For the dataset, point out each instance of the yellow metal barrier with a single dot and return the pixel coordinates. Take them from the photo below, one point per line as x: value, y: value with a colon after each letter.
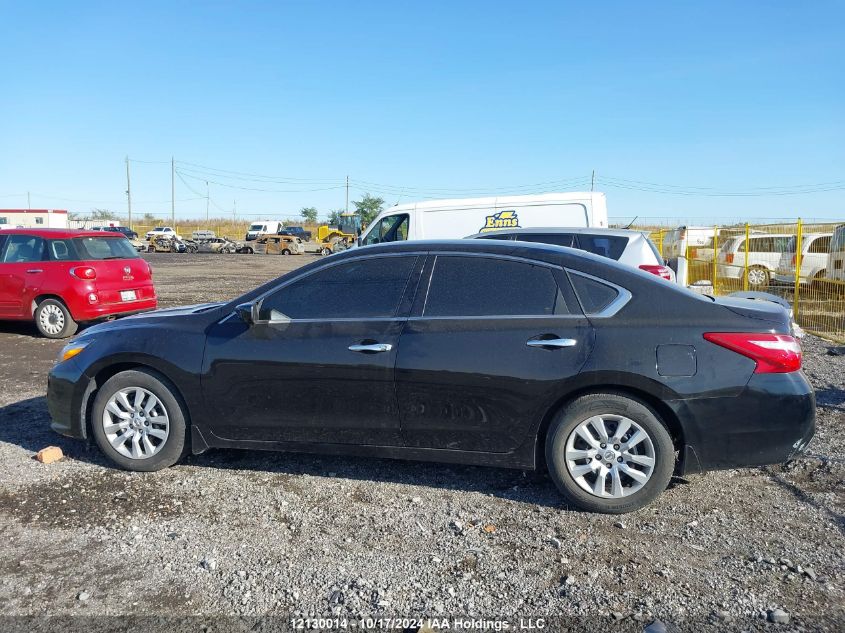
x: 792, y: 260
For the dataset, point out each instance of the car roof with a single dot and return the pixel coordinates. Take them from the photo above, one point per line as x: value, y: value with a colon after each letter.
x: 556, y: 230
x: 60, y: 233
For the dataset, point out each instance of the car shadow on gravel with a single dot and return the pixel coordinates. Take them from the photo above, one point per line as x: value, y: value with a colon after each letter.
x: 801, y: 495
x: 26, y: 423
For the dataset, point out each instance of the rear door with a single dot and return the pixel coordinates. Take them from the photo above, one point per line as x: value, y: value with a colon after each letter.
x: 22, y: 273
x: 489, y: 348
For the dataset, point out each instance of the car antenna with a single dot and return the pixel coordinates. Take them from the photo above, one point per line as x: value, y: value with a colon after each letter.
x: 632, y: 221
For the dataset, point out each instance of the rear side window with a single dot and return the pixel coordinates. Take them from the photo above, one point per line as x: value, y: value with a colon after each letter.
x: 594, y: 295
x: 820, y: 245
x: 362, y: 288
x: 22, y: 249
x: 479, y: 286
x: 61, y: 250
x: 104, y: 248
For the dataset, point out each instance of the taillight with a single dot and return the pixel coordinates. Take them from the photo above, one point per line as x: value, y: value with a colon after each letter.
x: 83, y: 272
x: 657, y: 269
x: 773, y: 353
x: 794, y: 259
x: 729, y: 258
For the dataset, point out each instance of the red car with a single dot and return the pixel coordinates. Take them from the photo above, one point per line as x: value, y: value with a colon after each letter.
x: 63, y: 277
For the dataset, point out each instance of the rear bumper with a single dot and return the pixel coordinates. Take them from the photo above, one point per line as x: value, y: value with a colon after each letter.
x: 770, y: 422
x: 102, y: 311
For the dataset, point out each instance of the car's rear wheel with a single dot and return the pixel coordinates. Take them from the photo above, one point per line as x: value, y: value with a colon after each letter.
x: 138, y: 422
x: 286, y: 251
x: 325, y: 251
x: 609, y: 453
x: 53, y: 319
x: 758, y: 277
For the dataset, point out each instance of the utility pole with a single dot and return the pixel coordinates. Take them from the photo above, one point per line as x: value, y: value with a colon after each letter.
x: 593, y: 181
x: 28, y: 205
x: 206, y: 201
x: 173, y: 191
x: 234, y: 210
x: 128, y: 194
x: 347, y: 193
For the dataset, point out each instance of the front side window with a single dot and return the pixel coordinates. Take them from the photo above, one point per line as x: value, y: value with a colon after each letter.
x: 104, y: 248
x: 361, y: 288
x: 463, y: 286
x: 393, y: 228
x: 39, y: 220
x: 23, y: 248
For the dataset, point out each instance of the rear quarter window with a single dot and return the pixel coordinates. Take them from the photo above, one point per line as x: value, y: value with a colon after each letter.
x: 594, y: 295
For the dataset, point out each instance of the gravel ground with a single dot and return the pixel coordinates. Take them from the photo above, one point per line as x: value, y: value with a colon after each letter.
x: 233, y: 533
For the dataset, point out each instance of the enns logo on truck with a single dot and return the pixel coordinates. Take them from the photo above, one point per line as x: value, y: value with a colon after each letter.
x: 501, y: 220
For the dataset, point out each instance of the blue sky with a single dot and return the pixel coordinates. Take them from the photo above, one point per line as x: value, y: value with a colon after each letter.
x: 416, y: 100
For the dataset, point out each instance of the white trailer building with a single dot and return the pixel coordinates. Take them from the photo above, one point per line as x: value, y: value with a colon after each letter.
x: 33, y: 218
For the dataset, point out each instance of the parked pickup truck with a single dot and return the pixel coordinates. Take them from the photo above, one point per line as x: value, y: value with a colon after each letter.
x: 295, y: 231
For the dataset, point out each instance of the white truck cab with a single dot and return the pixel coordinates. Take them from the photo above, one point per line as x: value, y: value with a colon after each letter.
x: 263, y: 227
x: 456, y: 219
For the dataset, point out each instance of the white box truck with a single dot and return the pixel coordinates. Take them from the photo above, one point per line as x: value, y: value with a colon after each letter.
x: 456, y: 219
x: 262, y: 227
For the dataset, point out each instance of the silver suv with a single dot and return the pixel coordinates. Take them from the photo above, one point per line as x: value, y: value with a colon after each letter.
x: 633, y: 248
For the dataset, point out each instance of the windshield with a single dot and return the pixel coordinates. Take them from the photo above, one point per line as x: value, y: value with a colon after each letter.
x: 104, y: 248
x: 256, y: 227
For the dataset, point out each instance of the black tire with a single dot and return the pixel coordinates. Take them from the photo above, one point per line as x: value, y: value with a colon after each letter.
x: 172, y: 448
x: 285, y: 251
x: 325, y: 251
x: 609, y: 404
x: 53, y: 319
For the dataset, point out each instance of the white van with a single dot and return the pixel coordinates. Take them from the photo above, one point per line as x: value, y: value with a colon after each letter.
x: 814, y: 253
x: 687, y: 244
x: 836, y: 258
x: 262, y: 227
x: 456, y: 219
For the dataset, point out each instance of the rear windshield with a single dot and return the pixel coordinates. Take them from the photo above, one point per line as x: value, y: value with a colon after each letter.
x: 611, y: 246
x: 256, y: 227
x: 88, y: 248
x: 790, y: 245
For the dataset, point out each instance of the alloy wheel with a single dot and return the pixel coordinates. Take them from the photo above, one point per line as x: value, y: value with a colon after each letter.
x: 136, y: 423
x: 610, y: 456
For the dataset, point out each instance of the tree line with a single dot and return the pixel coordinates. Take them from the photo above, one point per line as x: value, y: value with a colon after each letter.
x: 368, y: 207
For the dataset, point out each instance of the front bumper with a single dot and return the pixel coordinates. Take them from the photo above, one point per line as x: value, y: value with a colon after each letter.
x: 67, y: 397
x: 770, y: 422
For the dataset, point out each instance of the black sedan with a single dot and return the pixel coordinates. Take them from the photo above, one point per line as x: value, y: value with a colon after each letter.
x: 479, y: 352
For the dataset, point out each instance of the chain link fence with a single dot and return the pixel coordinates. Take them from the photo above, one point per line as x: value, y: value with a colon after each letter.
x: 802, y: 262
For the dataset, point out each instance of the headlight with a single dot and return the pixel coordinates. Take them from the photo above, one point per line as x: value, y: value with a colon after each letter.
x: 72, y: 349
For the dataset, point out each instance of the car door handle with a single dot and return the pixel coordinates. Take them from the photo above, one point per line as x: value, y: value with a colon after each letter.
x: 35, y: 270
x: 372, y: 348
x: 552, y: 342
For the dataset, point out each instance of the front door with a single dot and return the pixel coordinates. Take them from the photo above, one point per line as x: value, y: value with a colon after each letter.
x: 488, y: 352
x: 318, y: 366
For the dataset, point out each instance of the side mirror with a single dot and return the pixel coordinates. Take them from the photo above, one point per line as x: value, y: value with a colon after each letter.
x: 247, y: 312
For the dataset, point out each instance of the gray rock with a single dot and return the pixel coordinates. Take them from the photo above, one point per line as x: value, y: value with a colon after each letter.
x: 778, y: 616
x: 82, y: 596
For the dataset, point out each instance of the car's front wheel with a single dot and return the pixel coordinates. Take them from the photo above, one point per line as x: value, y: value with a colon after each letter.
x: 53, y: 319
x: 138, y: 422
x: 609, y: 453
